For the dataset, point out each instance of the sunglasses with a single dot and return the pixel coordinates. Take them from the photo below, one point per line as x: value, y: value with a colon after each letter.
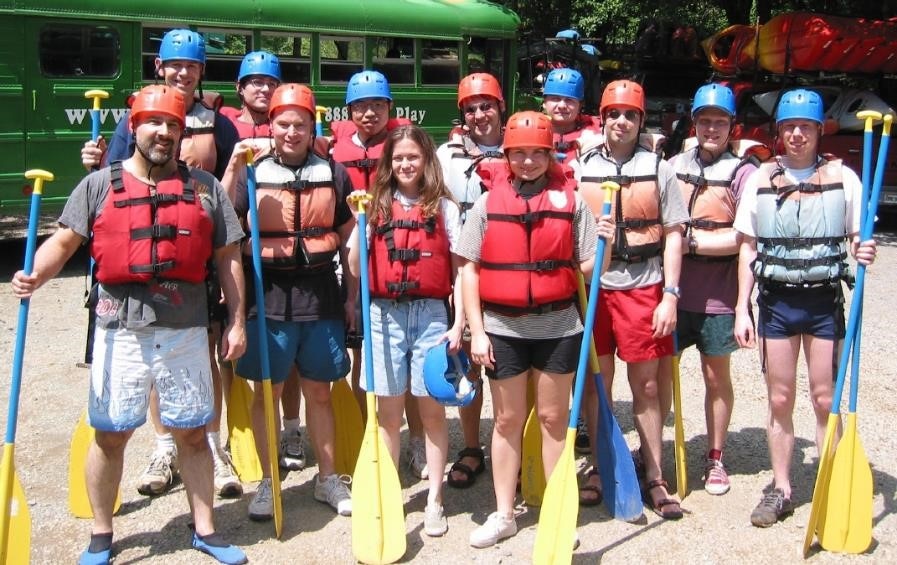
x: 483, y: 107
x: 631, y: 115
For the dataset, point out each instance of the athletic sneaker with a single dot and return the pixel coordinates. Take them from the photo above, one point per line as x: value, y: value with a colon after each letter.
x: 214, y: 545
x: 417, y: 458
x: 334, y: 491
x: 159, y: 475
x: 435, y: 524
x: 771, y: 509
x: 292, y: 455
x: 716, y: 480
x: 581, y: 444
x: 496, y: 528
x: 227, y: 485
x: 262, y: 506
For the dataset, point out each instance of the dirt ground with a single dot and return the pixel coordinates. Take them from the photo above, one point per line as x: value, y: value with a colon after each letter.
x: 714, y: 530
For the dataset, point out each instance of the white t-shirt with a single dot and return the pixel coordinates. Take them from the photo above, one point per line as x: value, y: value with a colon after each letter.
x: 746, y: 216
x: 454, y: 171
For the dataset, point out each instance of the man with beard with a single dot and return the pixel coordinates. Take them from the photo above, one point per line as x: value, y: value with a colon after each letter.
x: 153, y: 225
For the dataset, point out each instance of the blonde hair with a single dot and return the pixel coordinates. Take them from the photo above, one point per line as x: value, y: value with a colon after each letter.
x: 432, y: 185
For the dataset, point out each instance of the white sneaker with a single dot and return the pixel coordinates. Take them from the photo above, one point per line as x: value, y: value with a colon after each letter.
x: 227, y: 485
x: 262, y: 506
x: 417, y: 458
x: 159, y: 475
x: 496, y: 528
x: 334, y: 491
x: 292, y: 455
x: 435, y: 524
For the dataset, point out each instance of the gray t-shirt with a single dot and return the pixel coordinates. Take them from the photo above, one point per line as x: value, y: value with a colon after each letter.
x: 619, y: 274
x: 561, y: 323
x: 163, y: 303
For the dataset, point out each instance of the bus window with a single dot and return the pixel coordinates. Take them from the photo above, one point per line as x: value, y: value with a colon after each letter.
x: 69, y: 50
x: 440, y: 63
x: 486, y: 56
x: 294, y: 52
x: 394, y: 57
x: 224, y: 52
x: 341, y: 57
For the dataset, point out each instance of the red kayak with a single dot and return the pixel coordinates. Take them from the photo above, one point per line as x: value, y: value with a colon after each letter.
x: 732, y: 50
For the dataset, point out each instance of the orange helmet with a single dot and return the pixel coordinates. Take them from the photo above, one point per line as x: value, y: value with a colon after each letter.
x: 623, y: 93
x: 528, y: 129
x: 479, y: 84
x: 159, y: 99
x: 292, y: 94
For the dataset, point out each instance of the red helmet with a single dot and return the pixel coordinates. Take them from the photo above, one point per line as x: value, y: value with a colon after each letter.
x: 623, y: 93
x: 479, y: 84
x: 292, y: 94
x: 528, y: 129
x: 159, y: 99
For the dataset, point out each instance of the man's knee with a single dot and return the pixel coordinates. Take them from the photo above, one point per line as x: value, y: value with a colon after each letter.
x: 112, y: 442
x: 191, y: 439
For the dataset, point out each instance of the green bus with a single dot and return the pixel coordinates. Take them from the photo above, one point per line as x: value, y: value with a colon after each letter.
x: 53, y: 51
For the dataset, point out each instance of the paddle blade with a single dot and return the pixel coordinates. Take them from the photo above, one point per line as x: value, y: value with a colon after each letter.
x: 679, y: 446
x: 19, y: 549
x: 556, y: 532
x: 532, y: 472
x: 846, y: 526
x: 622, y: 496
x: 823, y: 476
x: 239, y: 431
x: 82, y: 439
x: 378, y: 516
x: 271, y: 437
x: 349, y: 428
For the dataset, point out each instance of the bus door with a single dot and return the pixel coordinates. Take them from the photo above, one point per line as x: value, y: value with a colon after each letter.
x: 64, y: 58
x: 12, y: 108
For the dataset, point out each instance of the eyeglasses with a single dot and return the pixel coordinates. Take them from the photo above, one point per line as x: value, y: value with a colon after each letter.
x: 365, y: 106
x: 261, y: 83
x: 631, y: 115
x: 483, y: 107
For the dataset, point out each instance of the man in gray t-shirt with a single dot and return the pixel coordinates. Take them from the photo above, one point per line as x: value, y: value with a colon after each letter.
x: 153, y: 225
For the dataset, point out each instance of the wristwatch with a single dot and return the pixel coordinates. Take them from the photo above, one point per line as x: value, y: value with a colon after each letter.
x: 674, y: 290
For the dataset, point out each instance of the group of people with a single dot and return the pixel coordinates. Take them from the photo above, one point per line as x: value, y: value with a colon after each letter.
x: 477, y: 243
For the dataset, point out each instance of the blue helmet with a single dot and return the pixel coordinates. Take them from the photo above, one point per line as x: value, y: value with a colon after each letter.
x: 567, y: 34
x: 367, y: 84
x: 183, y: 45
x: 445, y: 376
x: 714, y: 96
x: 260, y: 63
x: 590, y: 49
x: 565, y: 82
x: 800, y: 104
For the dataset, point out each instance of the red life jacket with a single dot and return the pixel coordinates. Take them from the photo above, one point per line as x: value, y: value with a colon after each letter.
x: 360, y: 162
x: 140, y: 236
x: 526, y: 260
x: 566, y: 143
x: 245, y: 130
x: 410, y: 256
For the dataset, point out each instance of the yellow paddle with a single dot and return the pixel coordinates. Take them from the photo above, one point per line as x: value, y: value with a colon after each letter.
x: 15, y: 520
x: 378, y: 518
x: 532, y: 472
x: 556, y: 533
x: 679, y: 426
x: 267, y: 392
x: 348, y: 426
x: 79, y: 502
x: 239, y: 431
x: 846, y: 522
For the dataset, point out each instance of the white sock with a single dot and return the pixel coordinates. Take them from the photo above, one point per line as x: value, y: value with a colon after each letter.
x: 165, y: 444
x: 214, y: 440
x: 291, y: 425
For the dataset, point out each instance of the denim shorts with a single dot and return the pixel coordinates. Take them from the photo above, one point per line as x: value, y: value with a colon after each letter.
x: 317, y: 348
x: 128, y: 364
x: 402, y: 333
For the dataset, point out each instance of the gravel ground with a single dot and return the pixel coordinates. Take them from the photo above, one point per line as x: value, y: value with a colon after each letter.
x: 714, y: 530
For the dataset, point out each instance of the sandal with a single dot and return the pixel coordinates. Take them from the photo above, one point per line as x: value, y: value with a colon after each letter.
x: 666, y: 508
x: 470, y: 475
x: 593, y: 493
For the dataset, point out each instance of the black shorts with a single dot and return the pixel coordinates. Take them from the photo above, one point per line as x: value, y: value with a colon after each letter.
x: 517, y: 355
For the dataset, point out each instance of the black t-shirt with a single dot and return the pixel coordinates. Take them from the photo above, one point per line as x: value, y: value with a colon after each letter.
x: 299, y: 296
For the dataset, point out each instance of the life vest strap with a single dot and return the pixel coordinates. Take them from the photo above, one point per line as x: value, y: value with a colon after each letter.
x: 516, y: 311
